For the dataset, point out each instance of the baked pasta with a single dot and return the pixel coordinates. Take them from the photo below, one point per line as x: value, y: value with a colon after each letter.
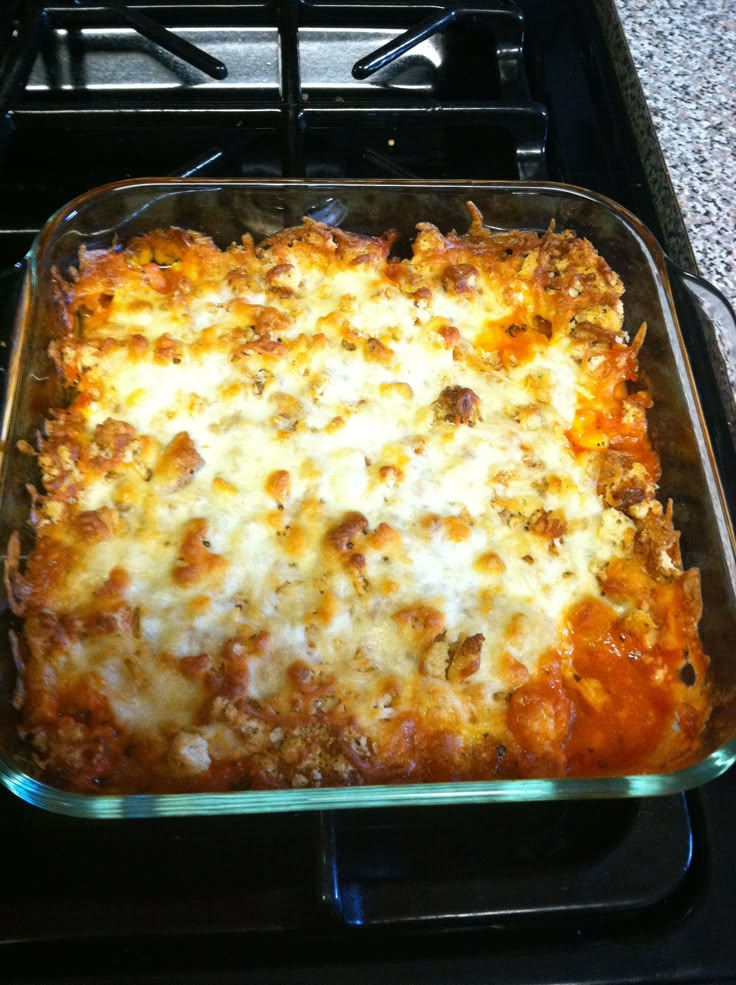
x: 313, y: 515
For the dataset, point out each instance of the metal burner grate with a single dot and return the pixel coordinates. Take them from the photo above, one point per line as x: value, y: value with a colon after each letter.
x: 480, y: 866
x: 314, y: 89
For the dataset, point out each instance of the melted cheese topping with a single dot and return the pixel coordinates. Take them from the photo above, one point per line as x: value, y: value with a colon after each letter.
x: 317, y: 516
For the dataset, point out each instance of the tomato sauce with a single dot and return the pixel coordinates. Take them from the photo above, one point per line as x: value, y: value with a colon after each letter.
x: 614, y: 701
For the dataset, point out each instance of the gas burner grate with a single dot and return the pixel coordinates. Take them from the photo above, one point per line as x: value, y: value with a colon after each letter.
x: 459, y: 867
x: 167, y: 40
x: 315, y: 89
x: 502, y: 865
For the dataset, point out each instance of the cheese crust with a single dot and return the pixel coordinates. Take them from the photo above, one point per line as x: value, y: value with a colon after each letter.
x: 317, y: 516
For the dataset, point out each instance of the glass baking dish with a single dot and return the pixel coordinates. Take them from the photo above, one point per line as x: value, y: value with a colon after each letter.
x: 227, y: 209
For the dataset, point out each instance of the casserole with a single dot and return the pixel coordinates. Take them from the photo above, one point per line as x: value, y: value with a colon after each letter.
x: 224, y: 210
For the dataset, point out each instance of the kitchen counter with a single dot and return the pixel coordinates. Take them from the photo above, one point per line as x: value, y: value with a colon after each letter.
x: 684, y: 52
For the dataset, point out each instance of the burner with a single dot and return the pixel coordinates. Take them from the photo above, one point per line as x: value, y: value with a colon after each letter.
x: 439, y: 93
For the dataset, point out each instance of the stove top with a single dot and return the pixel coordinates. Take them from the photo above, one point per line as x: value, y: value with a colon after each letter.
x: 315, y: 89
x: 620, y: 891
x: 624, y: 891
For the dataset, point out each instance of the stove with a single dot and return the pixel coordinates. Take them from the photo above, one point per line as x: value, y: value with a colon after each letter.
x: 620, y: 891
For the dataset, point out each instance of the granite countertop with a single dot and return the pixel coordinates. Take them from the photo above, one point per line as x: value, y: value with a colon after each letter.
x: 685, y: 54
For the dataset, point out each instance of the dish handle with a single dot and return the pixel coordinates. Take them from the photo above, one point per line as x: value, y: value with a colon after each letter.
x: 714, y: 305
x: 708, y: 325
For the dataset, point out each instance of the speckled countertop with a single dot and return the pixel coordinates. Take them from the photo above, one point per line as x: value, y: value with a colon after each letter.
x: 685, y: 54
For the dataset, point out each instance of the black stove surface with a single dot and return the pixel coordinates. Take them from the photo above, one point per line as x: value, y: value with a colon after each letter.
x: 620, y: 891
x: 636, y: 891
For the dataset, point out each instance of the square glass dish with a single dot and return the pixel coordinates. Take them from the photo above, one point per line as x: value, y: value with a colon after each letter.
x: 227, y: 209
